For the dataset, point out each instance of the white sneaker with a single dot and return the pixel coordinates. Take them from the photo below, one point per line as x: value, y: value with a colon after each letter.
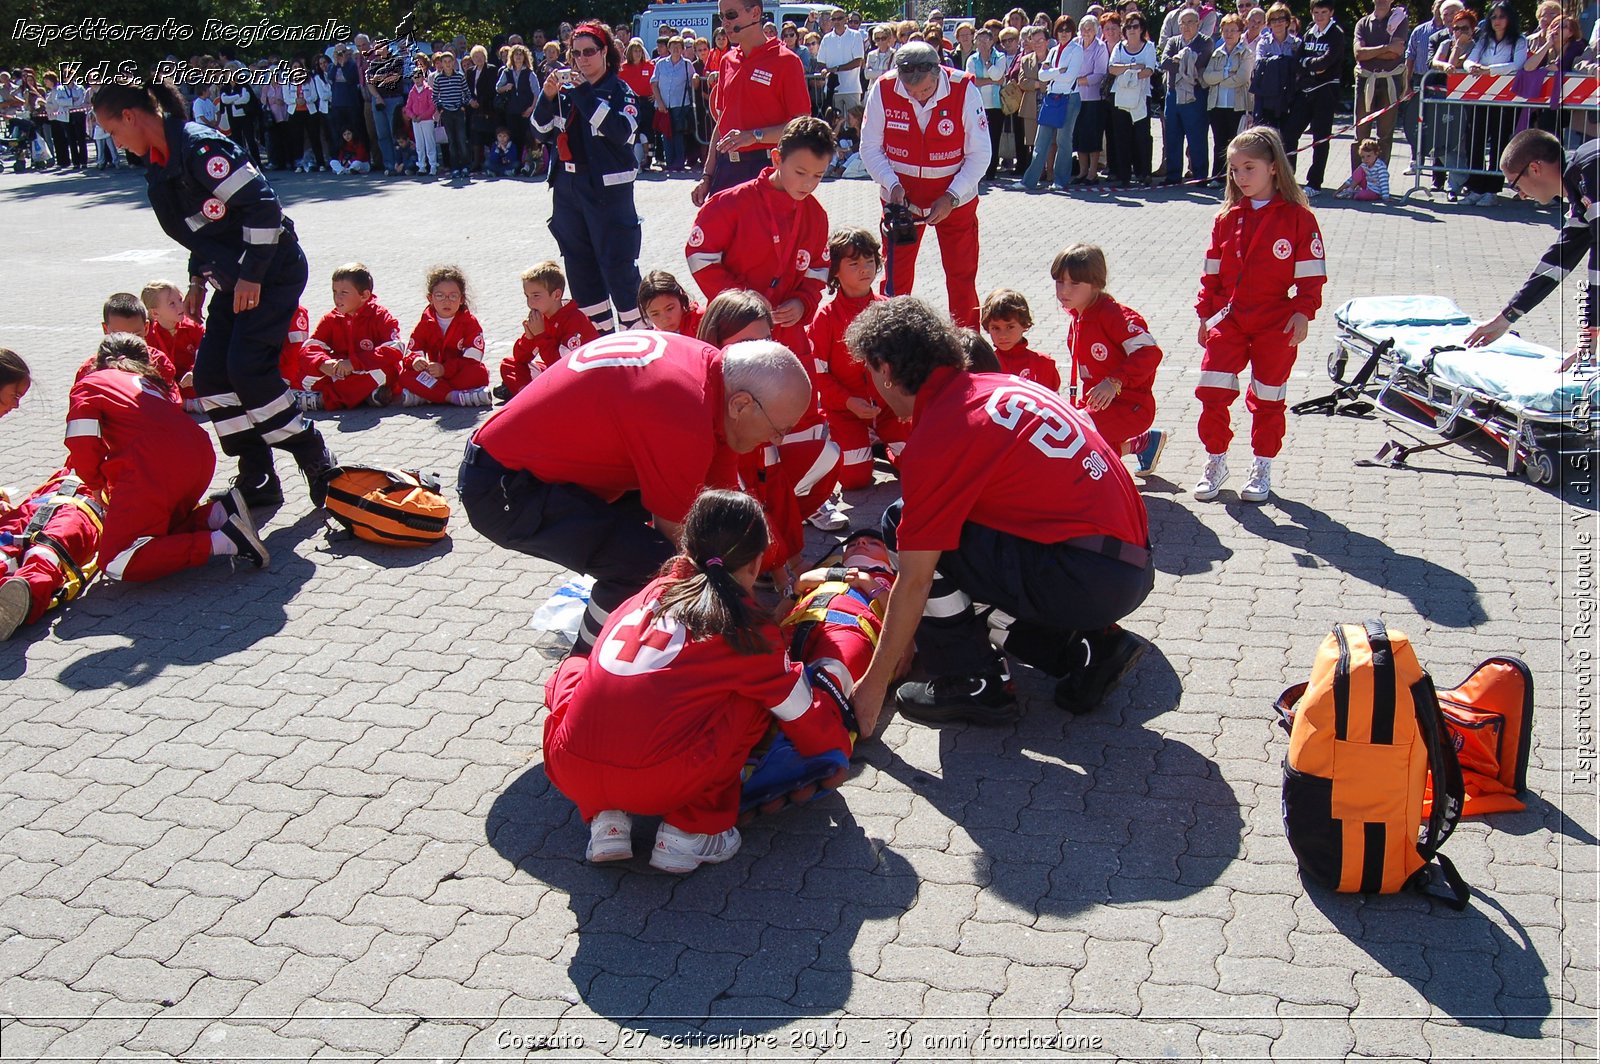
x: 411, y: 398
x: 1259, y: 486
x: 308, y: 400
x: 1311, y: 191
x: 1211, y: 481
x: 610, y: 836
x: 680, y: 851
x: 830, y: 518
x: 470, y: 397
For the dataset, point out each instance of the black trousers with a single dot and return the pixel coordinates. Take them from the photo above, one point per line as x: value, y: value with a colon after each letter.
x: 236, y: 374
x: 568, y: 525
x: 1048, y: 592
x: 1130, y: 146
x: 1313, y: 110
x: 1224, y: 123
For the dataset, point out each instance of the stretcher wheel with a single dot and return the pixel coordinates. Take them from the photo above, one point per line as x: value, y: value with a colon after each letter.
x: 1539, y: 467
x: 1336, y: 363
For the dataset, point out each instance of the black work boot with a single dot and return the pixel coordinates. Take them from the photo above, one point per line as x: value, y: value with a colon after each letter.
x: 257, y: 482
x: 985, y: 698
x: 316, y: 462
x: 1103, y: 659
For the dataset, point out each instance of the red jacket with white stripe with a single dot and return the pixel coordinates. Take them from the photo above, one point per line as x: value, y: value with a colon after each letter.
x: 158, y: 359
x: 759, y: 237
x: 180, y: 344
x: 564, y: 332
x: 839, y: 375
x: 650, y: 694
x: 463, y: 339
x: 1111, y: 340
x: 1023, y: 361
x: 1264, y: 266
x: 119, y: 422
x: 365, y: 333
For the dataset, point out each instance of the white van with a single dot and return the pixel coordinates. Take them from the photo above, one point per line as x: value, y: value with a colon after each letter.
x: 704, y: 17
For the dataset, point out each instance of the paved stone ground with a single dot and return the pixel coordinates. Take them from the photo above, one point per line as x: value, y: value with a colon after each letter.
x: 302, y: 813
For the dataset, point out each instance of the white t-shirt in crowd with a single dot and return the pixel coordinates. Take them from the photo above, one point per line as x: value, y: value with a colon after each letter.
x: 837, y: 49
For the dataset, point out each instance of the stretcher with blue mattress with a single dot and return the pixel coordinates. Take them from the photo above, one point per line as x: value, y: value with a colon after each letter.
x: 1411, y: 348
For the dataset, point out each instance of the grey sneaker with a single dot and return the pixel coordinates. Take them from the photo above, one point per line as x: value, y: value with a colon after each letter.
x: 682, y: 851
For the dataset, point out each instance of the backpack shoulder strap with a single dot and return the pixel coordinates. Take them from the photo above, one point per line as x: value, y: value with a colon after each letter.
x: 1449, y: 792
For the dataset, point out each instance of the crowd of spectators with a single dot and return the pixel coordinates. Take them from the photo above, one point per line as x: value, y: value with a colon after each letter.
x: 1069, y: 101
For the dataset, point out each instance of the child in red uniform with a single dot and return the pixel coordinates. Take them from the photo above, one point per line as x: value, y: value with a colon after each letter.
x: 554, y: 327
x: 733, y: 317
x: 1265, y: 244
x: 123, y: 313
x: 1006, y: 318
x: 175, y: 333
x: 444, y: 363
x: 131, y: 442
x: 353, y: 357
x: 667, y: 306
x: 48, y: 539
x: 1114, y: 357
x: 683, y: 682
x: 853, y: 408
x: 770, y: 235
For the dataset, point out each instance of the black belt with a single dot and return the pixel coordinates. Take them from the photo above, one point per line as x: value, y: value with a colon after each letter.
x: 1112, y: 547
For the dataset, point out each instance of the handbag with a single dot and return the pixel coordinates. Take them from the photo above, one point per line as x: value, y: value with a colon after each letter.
x: 1053, y: 109
x: 1011, y: 94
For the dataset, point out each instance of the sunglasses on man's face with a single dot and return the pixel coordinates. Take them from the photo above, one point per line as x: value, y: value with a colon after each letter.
x: 730, y: 16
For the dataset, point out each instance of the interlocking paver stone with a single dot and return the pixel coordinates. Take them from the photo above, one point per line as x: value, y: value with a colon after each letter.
x: 244, y: 813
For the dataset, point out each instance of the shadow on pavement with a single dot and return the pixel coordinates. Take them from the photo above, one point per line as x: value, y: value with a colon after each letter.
x: 1183, y: 544
x: 745, y: 946
x: 188, y: 618
x: 1075, y: 812
x: 1442, y: 595
x: 1464, y: 964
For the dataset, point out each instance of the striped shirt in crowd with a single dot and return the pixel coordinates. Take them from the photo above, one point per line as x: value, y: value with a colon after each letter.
x: 450, y: 91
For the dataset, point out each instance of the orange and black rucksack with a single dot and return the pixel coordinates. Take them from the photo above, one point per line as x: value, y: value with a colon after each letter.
x: 397, y: 507
x: 1366, y: 736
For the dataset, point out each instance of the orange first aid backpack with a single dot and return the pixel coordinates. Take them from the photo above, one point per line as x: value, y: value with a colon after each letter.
x: 397, y: 507
x: 1366, y: 735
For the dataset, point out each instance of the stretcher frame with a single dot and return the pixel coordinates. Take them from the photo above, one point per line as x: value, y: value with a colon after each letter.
x: 1535, y: 441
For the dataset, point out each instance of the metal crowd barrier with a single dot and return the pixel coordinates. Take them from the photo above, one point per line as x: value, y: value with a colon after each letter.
x: 1464, y: 120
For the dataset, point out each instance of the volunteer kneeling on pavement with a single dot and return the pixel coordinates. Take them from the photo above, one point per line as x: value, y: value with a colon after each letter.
x: 1010, y: 499
x: 626, y: 429
x: 685, y: 678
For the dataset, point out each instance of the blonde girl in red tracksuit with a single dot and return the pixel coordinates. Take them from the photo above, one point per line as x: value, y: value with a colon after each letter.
x: 131, y: 442
x: 444, y: 363
x: 1261, y: 287
x: 854, y: 410
x: 1114, y: 357
x: 684, y: 680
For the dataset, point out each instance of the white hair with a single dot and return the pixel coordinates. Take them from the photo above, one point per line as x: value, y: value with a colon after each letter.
x: 763, y: 368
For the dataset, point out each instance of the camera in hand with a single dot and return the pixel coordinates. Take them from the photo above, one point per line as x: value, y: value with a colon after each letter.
x: 899, y: 227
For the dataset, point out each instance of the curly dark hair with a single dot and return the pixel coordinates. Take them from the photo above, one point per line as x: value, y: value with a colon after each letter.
x: 905, y: 336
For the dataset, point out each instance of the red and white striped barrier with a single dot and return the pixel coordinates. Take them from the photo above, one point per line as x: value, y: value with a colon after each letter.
x: 1576, y: 90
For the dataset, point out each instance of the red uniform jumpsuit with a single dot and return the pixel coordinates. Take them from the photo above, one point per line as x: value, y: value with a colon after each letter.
x: 925, y: 161
x: 759, y: 237
x: 180, y: 345
x: 840, y: 377
x: 459, y: 348
x: 1111, y: 340
x: 1257, y: 256
x: 133, y: 443
x: 369, y: 339
x: 564, y: 332
x: 1023, y: 361
x: 658, y: 724
x: 52, y: 559
x: 764, y: 89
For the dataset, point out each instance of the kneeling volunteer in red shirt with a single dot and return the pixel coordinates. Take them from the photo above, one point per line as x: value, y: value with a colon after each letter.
x: 684, y: 680
x: 1012, y: 499
x: 626, y: 429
